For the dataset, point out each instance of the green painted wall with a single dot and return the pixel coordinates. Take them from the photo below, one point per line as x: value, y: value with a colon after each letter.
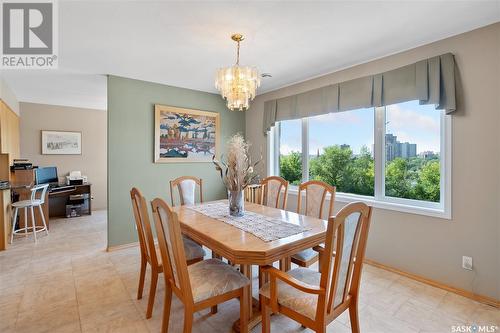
x: 130, y: 148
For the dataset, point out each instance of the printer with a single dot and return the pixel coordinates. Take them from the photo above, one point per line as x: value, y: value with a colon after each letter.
x: 76, y: 178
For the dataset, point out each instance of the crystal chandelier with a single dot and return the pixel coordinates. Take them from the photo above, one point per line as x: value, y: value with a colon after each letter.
x: 237, y: 84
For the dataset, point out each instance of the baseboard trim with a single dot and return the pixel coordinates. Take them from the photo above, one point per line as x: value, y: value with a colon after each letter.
x: 478, y: 298
x: 121, y: 247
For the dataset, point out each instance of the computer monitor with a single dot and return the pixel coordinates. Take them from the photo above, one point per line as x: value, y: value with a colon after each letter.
x: 47, y: 175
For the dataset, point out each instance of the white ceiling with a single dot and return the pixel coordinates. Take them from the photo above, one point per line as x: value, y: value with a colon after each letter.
x: 183, y: 43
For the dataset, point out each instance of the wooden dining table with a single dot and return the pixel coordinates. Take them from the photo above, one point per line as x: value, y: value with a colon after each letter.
x: 243, y: 248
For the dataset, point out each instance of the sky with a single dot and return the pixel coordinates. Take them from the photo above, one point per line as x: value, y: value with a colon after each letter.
x: 409, y: 121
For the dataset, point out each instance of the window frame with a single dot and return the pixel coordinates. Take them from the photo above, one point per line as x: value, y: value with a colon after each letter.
x: 379, y: 200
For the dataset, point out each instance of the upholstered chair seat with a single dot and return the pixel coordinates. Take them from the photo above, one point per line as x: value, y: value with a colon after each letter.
x: 306, y: 255
x: 212, y: 277
x: 292, y: 298
x: 193, y: 250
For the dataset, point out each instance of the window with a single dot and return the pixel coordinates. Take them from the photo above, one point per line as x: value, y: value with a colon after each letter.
x: 340, y: 150
x: 395, y: 157
x: 412, y: 152
x: 290, y: 151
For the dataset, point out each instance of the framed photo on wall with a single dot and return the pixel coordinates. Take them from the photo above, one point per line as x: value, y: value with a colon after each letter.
x: 61, y: 143
x: 185, y: 135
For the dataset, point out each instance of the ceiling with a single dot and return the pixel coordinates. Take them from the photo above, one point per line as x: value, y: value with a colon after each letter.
x: 183, y: 43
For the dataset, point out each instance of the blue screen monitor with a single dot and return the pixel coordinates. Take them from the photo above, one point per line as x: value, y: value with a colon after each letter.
x: 46, y: 175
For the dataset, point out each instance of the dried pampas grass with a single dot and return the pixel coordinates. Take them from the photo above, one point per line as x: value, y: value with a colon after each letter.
x: 237, y: 172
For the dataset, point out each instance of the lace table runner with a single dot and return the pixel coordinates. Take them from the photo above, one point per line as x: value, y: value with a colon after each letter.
x: 265, y: 227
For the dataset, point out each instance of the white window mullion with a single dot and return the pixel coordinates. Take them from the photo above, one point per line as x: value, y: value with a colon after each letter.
x: 379, y: 152
x: 276, y: 149
x: 305, y: 149
x: 445, y: 161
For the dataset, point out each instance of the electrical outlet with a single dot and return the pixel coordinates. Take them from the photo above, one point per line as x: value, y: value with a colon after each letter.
x: 467, y: 263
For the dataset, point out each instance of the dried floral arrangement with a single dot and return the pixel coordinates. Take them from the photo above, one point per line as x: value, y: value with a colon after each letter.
x: 237, y: 171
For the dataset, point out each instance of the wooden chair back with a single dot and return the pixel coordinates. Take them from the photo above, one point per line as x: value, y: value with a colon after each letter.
x: 144, y: 231
x: 168, y: 231
x: 271, y: 192
x: 346, y: 237
x: 186, y: 186
x: 316, y: 192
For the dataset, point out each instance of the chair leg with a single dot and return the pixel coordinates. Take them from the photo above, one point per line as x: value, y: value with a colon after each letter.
x: 266, y: 316
x: 353, y: 316
x: 320, y: 260
x: 188, y: 320
x: 166, y: 309
x: 14, y: 224
x: 43, y: 220
x: 26, y: 222
x: 152, y: 292
x: 141, y: 277
x: 33, y: 222
x: 213, y: 309
x: 244, y: 311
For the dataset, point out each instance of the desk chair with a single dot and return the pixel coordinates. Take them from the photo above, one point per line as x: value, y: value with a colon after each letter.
x: 30, y: 204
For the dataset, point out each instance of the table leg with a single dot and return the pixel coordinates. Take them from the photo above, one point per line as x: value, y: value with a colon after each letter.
x: 247, y: 271
x: 285, y: 264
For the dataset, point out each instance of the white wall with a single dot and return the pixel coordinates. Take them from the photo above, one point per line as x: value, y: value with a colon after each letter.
x: 433, y: 247
x: 7, y: 95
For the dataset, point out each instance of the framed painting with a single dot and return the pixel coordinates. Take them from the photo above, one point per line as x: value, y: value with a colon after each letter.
x: 185, y: 135
x: 61, y: 143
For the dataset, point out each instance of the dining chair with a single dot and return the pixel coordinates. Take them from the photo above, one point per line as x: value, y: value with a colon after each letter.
x: 316, y: 194
x: 315, y: 299
x: 201, y: 285
x: 150, y: 252
x: 186, y: 186
x: 271, y: 188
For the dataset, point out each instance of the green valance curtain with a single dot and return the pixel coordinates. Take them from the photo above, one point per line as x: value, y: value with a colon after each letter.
x: 431, y: 81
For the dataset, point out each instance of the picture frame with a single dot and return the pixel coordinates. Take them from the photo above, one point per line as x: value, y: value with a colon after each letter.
x: 61, y: 142
x: 185, y: 135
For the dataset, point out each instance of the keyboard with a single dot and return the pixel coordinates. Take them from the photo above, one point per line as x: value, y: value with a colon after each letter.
x: 60, y: 188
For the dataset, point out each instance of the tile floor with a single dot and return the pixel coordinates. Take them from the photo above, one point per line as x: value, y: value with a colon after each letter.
x: 69, y: 283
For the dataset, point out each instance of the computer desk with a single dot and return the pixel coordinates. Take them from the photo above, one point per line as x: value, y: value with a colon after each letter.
x: 59, y: 198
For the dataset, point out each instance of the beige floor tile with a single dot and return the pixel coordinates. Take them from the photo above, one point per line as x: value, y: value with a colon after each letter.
x: 51, y: 292
x: 101, y: 289
x: 60, y: 317
x: 111, y: 317
x: 418, y: 291
x: 424, y: 317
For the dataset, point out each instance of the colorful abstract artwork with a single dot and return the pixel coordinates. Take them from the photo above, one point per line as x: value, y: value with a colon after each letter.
x: 184, y: 135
